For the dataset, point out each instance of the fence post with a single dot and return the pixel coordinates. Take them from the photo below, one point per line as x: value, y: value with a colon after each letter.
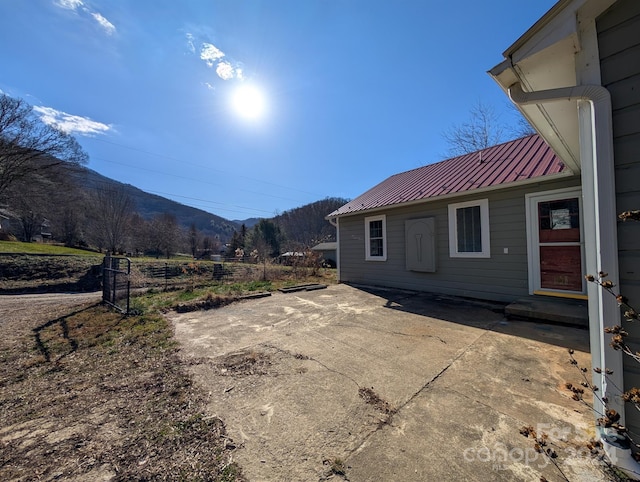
x: 106, y: 277
x: 166, y: 276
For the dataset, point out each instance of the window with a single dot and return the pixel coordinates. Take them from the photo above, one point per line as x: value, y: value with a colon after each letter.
x: 375, y: 228
x: 469, y: 229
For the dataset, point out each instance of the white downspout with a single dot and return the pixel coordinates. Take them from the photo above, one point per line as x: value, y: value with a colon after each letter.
x: 601, y: 245
x: 336, y: 223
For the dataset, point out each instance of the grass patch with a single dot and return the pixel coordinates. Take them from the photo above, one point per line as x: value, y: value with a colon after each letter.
x: 206, y: 296
x: 58, y: 269
x: 18, y: 247
x: 372, y: 398
x: 336, y: 466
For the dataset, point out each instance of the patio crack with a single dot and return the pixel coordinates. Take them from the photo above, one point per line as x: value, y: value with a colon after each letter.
x: 305, y: 357
x: 389, y: 419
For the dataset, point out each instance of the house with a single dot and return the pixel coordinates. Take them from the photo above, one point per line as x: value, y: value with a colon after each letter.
x: 496, y: 224
x: 291, y: 257
x: 327, y: 252
x: 4, y: 219
x: 7, y: 224
x: 575, y: 75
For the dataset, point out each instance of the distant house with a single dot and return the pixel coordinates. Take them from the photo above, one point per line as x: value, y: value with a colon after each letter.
x: 45, y: 229
x: 7, y: 223
x: 575, y: 75
x: 497, y: 224
x: 291, y: 257
x: 327, y: 252
x: 4, y: 223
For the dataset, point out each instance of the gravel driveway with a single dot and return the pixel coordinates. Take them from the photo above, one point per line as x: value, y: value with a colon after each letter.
x: 46, y: 306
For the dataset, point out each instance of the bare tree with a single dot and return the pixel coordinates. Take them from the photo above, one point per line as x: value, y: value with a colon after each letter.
x: 521, y: 127
x: 194, y: 240
x: 207, y: 245
x: 112, y: 209
x: 31, y: 220
x: 168, y: 232
x: 68, y: 206
x: 29, y: 145
x: 69, y: 226
x: 44, y: 195
x: 140, y: 234
x: 484, y: 128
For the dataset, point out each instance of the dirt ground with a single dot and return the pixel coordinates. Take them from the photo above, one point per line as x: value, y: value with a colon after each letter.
x: 89, y: 395
x: 379, y: 386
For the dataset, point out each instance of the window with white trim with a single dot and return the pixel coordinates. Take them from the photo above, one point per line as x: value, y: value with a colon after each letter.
x: 375, y: 229
x: 469, y: 229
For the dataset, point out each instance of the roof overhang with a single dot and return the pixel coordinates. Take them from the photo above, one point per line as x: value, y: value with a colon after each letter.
x: 555, y: 53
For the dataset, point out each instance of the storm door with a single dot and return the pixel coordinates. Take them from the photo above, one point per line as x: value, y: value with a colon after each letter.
x: 555, y: 244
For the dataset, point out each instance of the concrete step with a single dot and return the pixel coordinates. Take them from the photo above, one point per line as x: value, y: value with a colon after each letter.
x: 556, y: 310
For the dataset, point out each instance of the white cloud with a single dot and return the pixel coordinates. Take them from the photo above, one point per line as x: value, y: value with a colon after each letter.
x: 210, y: 54
x: 71, y: 124
x: 225, y: 71
x: 190, y: 43
x: 216, y: 59
x: 69, y: 4
x: 78, y: 5
x: 104, y: 23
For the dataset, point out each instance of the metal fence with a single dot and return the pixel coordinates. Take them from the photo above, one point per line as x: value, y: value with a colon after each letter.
x: 116, y: 284
x: 175, y: 274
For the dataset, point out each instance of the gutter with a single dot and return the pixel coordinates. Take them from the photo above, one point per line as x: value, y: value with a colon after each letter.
x: 601, y: 245
x: 335, y: 222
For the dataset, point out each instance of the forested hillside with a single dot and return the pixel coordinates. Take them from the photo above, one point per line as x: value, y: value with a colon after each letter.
x: 149, y: 205
x: 306, y: 226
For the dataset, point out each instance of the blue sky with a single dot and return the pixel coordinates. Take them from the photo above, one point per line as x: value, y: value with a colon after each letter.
x: 351, y: 91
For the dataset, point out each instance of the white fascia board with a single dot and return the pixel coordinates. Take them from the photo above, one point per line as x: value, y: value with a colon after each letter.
x: 558, y: 23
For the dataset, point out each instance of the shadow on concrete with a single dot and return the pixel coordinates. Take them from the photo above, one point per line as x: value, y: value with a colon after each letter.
x: 481, y: 314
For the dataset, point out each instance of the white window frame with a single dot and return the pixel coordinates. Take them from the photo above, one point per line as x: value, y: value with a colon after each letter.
x: 484, y: 230
x: 367, y: 237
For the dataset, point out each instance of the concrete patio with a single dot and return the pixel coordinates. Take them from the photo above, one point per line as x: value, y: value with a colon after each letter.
x: 387, y: 385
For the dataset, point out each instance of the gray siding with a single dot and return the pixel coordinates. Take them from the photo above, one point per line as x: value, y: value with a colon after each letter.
x: 619, y: 40
x: 619, y: 47
x: 502, y: 277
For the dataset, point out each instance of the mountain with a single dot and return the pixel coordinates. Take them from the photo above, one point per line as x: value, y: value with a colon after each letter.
x: 151, y: 205
x: 248, y: 223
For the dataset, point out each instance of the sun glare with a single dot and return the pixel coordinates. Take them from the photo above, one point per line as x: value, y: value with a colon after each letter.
x: 249, y: 102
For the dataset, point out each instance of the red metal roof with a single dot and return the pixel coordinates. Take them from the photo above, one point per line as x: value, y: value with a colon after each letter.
x: 515, y: 161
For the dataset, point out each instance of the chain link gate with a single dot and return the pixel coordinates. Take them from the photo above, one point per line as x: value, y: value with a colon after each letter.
x: 116, y: 285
